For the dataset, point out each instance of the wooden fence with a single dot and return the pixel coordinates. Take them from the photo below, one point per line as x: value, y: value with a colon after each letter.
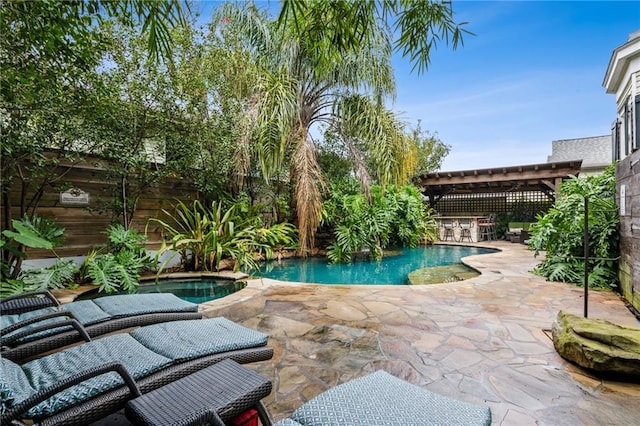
x: 85, y: 222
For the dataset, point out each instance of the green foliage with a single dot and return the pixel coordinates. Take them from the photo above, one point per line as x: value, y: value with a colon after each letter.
x: 431, y: 151
x: 419, y: 25
x: 125, y: 240
x: 393, y: 217
x: 59, y: 275
x: 117, y: 266
x: 36, y: 233
x: 561, y: 232
x: 204, y: 236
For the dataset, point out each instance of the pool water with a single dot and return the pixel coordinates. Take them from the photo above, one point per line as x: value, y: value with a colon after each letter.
x: 393, y: 269
x: 193, y: 290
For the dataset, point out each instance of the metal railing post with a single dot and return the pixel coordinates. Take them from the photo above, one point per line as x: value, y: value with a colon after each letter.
x: 586, y: 257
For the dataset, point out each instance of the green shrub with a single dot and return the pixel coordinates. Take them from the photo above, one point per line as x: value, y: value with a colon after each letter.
x: 561, y: 232
x: 117, y: 266
x: 392, y: 217
x: 204, y: 236
x: 40, y: 233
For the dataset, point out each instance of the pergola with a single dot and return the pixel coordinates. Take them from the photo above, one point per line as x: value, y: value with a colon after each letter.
x: 539, y: 178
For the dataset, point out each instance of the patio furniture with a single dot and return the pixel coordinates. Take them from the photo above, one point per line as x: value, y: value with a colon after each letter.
x: 34, y: 332
x: 519, y: 231
x: 84, y: 383
x: 465, y: 225
x: 213, y: 395
x: 26, y: 302
x: 447, y: 227
x: 487, y: 227
x: 382, y: 399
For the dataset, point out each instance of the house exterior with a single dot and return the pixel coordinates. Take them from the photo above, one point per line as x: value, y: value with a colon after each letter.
x: 622, y: 78
x: 595, y: 153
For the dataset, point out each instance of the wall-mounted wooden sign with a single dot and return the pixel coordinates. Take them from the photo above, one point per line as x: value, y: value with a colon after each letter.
x: 74, y: 197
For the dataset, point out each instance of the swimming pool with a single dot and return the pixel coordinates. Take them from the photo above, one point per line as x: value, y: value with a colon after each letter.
x: 394, y: 268
x: 198, y: 290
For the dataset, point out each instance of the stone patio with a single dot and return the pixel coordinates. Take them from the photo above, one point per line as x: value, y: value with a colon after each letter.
x: 483, y: 340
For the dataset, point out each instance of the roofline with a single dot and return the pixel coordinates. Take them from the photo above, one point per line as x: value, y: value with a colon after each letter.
x: 586, y: 137
x: 618, y: 64
x: 570, y: 164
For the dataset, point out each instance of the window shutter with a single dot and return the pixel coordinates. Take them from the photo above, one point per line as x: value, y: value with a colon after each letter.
x: 615, y: 140
x: 636, y: 114
x: 626, y: 140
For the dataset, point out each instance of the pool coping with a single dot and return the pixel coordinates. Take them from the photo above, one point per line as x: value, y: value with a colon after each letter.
x: 258, y: 285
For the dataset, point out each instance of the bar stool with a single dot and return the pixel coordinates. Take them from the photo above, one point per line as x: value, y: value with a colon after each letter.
x: 447, y: 226
x: 487, y: 228
x: 465, y: 226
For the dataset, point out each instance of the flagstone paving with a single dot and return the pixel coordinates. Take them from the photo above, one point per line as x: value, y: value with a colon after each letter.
x: 485, y: 340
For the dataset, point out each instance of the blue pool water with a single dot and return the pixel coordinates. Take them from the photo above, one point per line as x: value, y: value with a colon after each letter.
x: 191, y: 290
x: 393, y: 269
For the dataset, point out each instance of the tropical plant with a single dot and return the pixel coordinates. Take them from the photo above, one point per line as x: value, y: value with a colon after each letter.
x: 308, y: 81
x: 418, y: 24
x: 560, y: 232
x: 49, y: 93
x: 393, y: 217
x: 117, y: 266
x: 205, y: 236
x: 36, y: 233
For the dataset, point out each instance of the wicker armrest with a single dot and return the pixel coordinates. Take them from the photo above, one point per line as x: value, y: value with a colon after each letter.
x: 72, y: 321
x: 20, y: 409
x: 26, y: 302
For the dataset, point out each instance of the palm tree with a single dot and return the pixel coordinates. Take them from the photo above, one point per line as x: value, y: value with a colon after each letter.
x: 420, y: 24
x: 306, y: 82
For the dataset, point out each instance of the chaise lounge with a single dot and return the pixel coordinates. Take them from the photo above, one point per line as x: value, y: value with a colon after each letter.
x: 84, y: 383
x: 382, y: 399
x: 28, y: 334
x: 220, y: 391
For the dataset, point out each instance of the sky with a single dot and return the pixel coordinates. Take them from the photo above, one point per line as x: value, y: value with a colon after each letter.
x: 531, y: 74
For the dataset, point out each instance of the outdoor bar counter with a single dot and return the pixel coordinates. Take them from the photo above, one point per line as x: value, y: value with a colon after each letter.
x: 457, y: 224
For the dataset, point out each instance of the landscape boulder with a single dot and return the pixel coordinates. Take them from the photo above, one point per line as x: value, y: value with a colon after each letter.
x: 598, y: 345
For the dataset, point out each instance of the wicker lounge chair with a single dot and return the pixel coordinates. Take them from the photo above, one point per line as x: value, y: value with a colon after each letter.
x: 70, y: 387
x: 26, y: 302
x: 382, y: 399
x: 28, y: 334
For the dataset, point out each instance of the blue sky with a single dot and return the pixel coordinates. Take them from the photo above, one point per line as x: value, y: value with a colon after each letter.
x: 532, y: 74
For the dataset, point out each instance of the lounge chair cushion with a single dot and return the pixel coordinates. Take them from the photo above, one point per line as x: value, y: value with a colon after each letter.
x: 140, y: 304
x: 86, y: 311
x: 14, y: 384
x: 94, y: 311
x: 195, y: 338
x: 50, y: 370
x: 287, y: 422
x: 382, y: 399
x: 7, y: 320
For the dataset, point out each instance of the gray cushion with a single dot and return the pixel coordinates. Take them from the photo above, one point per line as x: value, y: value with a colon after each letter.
x: 7, y: 320
x: 101, y: 309
x: 287, y: 422
x: 382, y: 399
x: 139, y: 304
x: 50, y: 370
x: 14, y: 385
x: 86, y: 311
x: 184, y: 340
